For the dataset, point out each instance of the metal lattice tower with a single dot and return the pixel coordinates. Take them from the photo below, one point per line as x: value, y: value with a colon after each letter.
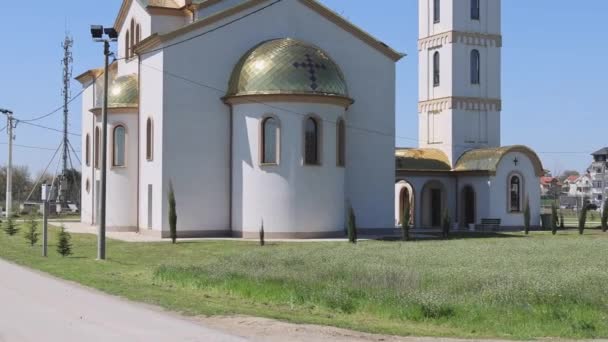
x: 67, y: 76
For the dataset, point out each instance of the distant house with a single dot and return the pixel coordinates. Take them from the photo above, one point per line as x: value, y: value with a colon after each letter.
x: 569, y: 186
x: 550, y: 186
x: 598, y: 174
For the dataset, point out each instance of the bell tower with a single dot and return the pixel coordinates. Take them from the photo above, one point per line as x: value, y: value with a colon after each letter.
x: 459, y: 48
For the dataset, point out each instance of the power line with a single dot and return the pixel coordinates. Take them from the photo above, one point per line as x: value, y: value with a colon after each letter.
x: 48, y: 128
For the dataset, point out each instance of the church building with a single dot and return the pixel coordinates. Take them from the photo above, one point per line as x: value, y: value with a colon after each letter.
x: 273, y: 112
x: 461, y: 169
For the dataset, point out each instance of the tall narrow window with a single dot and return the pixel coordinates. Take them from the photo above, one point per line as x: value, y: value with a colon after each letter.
x: 474, y: 9
x: 270, y: 141
x: 87, y: 152
x: 437, y: 11
x: 149, y: 140
x: 97, y: 149
x: 137, y: 34
x: 128, y: 45
x: 475, y: 66
x: 515, y: 191
x: 436, y: 71
x: 341, y: 143
x: 132, y: 37
x: 311, y: 142
x: 119, y: 140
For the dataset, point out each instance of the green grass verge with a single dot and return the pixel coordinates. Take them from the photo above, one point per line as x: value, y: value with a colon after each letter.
x: 507, y: 287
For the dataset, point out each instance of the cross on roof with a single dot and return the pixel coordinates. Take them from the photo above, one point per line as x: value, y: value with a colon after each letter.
x: 312, y: 69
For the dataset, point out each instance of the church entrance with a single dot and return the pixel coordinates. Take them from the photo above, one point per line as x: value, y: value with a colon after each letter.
x: 468, y: 205
x: 435, y: 207
x: 405, y: 202
x: 433, y: 204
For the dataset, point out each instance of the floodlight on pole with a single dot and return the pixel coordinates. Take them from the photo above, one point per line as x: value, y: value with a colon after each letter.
x: 98, y: 32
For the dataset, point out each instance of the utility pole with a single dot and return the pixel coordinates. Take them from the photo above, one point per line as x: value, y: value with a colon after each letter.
x: 10, y: 125
x: 67, y: 75
x: 98, y: 31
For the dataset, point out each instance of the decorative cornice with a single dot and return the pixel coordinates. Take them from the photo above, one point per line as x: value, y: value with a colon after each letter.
x: 468, y: 38
x: 299, y: 98
x: 116, y: 110
x: 460, y: 103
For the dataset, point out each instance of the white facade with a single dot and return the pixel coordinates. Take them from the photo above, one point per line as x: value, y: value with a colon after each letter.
x: 208, y: 148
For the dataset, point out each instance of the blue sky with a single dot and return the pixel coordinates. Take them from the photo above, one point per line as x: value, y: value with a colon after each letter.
x: 554, y: 74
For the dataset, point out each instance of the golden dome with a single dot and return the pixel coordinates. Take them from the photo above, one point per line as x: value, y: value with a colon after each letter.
x: 124, y: 92
x: 287, y: 67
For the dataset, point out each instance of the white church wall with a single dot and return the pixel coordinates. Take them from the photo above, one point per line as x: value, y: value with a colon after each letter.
x: 500, y: 190
x: 141, y: 16
x: 489, y: 17
x: 427, y: 89
x: 490, y: 76
x: 473, y: 129
x: 151, y: 106
x: 88, y: 174
x: 207, y: 10
x: 293, y: 199
x: 426, y: 24
x: 203, y: 118
x: 162, y: 24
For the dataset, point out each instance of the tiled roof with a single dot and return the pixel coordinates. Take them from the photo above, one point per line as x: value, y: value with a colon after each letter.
x: 487, y: 159
x: 421, y: 159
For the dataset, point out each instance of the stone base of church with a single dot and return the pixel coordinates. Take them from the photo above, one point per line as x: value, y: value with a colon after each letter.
x: 290, y: 235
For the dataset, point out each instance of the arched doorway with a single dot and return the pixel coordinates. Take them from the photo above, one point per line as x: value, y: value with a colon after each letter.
x: 404, y: 195
x: 468, y: 206
x: 433, y: 204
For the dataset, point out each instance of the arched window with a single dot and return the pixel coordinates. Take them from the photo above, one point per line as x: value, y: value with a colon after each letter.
x: 437, y: 11
x: 87, y: 152
x: 149, y: 140
x: 341, y: 143
x: 128, y: 45
x: 97, y: 147
x: 515, y: 188
x: 436, y: 71
x: 474, y: 9
x: 137, y: 34
x: 311, y: 142
x: 475, y: 66
x: 132, y: 37
x: 118, y: 143
x: 270, y: 141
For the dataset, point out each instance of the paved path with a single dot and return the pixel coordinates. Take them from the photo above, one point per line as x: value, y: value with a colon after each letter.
x: 36, y: 307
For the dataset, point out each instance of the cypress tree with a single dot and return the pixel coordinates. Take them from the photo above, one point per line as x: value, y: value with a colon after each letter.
x: 446, y: 222
x: 262, y: 235
x: 352, y: 226
x: 605, y: 216
x: 554, y: 219
x: 527, y: 216
x: 31, y: 234
x: 405, y: 221
x: 64, y: 245
x: 172, y: 214
x: 10, y: 227
x: 562, y: 223
x: 582, y: 219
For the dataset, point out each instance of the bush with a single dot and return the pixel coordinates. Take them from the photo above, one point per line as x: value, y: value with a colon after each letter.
x: 582, y: 220
x: 446, y: 222
x: 405, y: 221
x: 527, y: 216
x: 64, y: 246
x: 31, y: 234
x: 262, y: 241
x: 554, y: 219
x: 10, y: 227
x: 172, y: 214
x: 605, y: 216
x: 352, y: 226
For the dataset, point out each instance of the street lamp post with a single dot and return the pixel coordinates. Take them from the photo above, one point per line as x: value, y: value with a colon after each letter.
x: 9, y: 167
x: 98, y: 32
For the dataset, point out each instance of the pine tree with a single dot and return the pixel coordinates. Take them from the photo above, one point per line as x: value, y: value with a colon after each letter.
x: 172, y: 214
x: 64, y: 245
x: 10, y: 227
x: 582, y: 219
x: 262, y: 240
x: 352, y: 226
x: 554, y: 219
x: 446, y: 222
x: 405, y: 221
x: 31, y: 234
x: 605, y: 216
x: 527, y: 217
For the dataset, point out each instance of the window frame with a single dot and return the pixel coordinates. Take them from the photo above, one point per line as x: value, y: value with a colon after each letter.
x: 520, y: 203
x: 149, y: 139
x: 341, y: 142
x: 97, y: 148
x: 114, y: 154
x: 87, y: 153
x: 436, y: 11
x: 262, y: 149
x: 436, y: 69
x: 475, y: 10
x: 475, y: 65
x: 319, y: 130
x: 128, y: 44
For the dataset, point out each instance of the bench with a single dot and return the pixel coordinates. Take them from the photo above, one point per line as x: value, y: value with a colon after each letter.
x: 489, y: 224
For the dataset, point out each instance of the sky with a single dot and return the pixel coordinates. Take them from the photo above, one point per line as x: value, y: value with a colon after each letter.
x: 553, y: 67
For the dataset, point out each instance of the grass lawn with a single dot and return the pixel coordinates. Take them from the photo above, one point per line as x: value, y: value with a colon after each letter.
x: 508, y: 287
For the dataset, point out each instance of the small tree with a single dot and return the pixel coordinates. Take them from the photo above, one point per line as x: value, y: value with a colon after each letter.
x: 562, y: 223
x: 262, y: 241
x: 605, y: 216
x: 352, y: 226
x: 10, y: 227
x: 172, y: 214
x: 446, y: 222
x: 405, y: 221
x: 582, y: 220
x: 31, y: 234
x: 527, y: 216
x: 64, y: 245
x: 554, y: 219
